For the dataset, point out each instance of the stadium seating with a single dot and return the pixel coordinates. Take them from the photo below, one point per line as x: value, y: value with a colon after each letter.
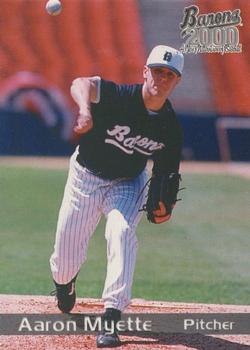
x: 229, y: 72
x: 89, y: 37
x: 112, y: 38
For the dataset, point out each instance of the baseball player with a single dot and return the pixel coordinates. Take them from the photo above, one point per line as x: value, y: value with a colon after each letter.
x: 121, y: 127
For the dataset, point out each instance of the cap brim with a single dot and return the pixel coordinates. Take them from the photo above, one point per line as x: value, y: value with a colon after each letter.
x: 164, y: 65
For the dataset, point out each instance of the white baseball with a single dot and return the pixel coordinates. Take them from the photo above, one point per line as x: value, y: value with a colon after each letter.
x: 54, y: 7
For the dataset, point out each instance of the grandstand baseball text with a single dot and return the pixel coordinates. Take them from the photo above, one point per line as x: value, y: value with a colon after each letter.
x: 86, y: 324
x: 210, y: 33
x: 200, y: 324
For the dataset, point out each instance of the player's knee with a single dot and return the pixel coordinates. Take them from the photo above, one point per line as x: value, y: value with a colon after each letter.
x: 63, y: 270
x: 117, y: 225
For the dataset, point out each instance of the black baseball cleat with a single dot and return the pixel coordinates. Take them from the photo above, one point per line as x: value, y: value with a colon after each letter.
x: 106, y: 340
x: 66, y: 295
x: 109, y: 339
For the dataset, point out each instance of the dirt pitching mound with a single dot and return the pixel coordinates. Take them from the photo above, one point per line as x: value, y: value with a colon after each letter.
x: 46, y: 305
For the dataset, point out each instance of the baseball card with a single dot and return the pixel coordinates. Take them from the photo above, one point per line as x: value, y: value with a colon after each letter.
x: 124, y: 174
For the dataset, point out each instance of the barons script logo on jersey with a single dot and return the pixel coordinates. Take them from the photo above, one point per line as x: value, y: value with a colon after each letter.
x: 120, y: 138
x: 212, y: 32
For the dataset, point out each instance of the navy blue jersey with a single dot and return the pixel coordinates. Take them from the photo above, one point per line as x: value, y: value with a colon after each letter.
x: 125, y: 135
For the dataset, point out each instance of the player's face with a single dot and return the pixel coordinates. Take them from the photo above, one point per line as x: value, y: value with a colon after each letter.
x: 160, y: 81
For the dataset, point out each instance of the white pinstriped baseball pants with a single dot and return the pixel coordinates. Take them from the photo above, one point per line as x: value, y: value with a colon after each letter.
x: 86, y: 198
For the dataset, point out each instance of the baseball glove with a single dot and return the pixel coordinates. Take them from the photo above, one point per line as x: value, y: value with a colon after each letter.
x: 162, y: 196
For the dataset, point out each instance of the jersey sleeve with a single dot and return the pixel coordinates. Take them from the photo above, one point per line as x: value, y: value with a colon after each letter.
x: 167, y: 160
x: 111, y: 98
x: 108, y: 92
x: 98, y: 88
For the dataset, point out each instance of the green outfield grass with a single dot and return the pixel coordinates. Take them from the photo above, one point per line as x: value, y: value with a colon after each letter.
x: 201, y: 255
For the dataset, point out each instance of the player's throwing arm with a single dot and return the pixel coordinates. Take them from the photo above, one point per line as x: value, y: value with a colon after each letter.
x: 84, y: 91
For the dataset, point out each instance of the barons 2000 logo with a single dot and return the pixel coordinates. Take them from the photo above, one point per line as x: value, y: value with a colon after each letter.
x: 212, y: 32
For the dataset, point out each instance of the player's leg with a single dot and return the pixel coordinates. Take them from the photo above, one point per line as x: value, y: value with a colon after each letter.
x: 122, y: 206
x: 79, y: 214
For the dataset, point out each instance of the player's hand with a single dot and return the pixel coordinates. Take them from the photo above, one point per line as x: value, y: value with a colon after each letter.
x: 84, y: 124
x: 163, y: 213
x: 162, y: 196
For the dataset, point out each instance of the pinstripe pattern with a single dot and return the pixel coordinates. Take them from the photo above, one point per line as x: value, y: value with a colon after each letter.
x: 86, y: 198
x: 122, y: 218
